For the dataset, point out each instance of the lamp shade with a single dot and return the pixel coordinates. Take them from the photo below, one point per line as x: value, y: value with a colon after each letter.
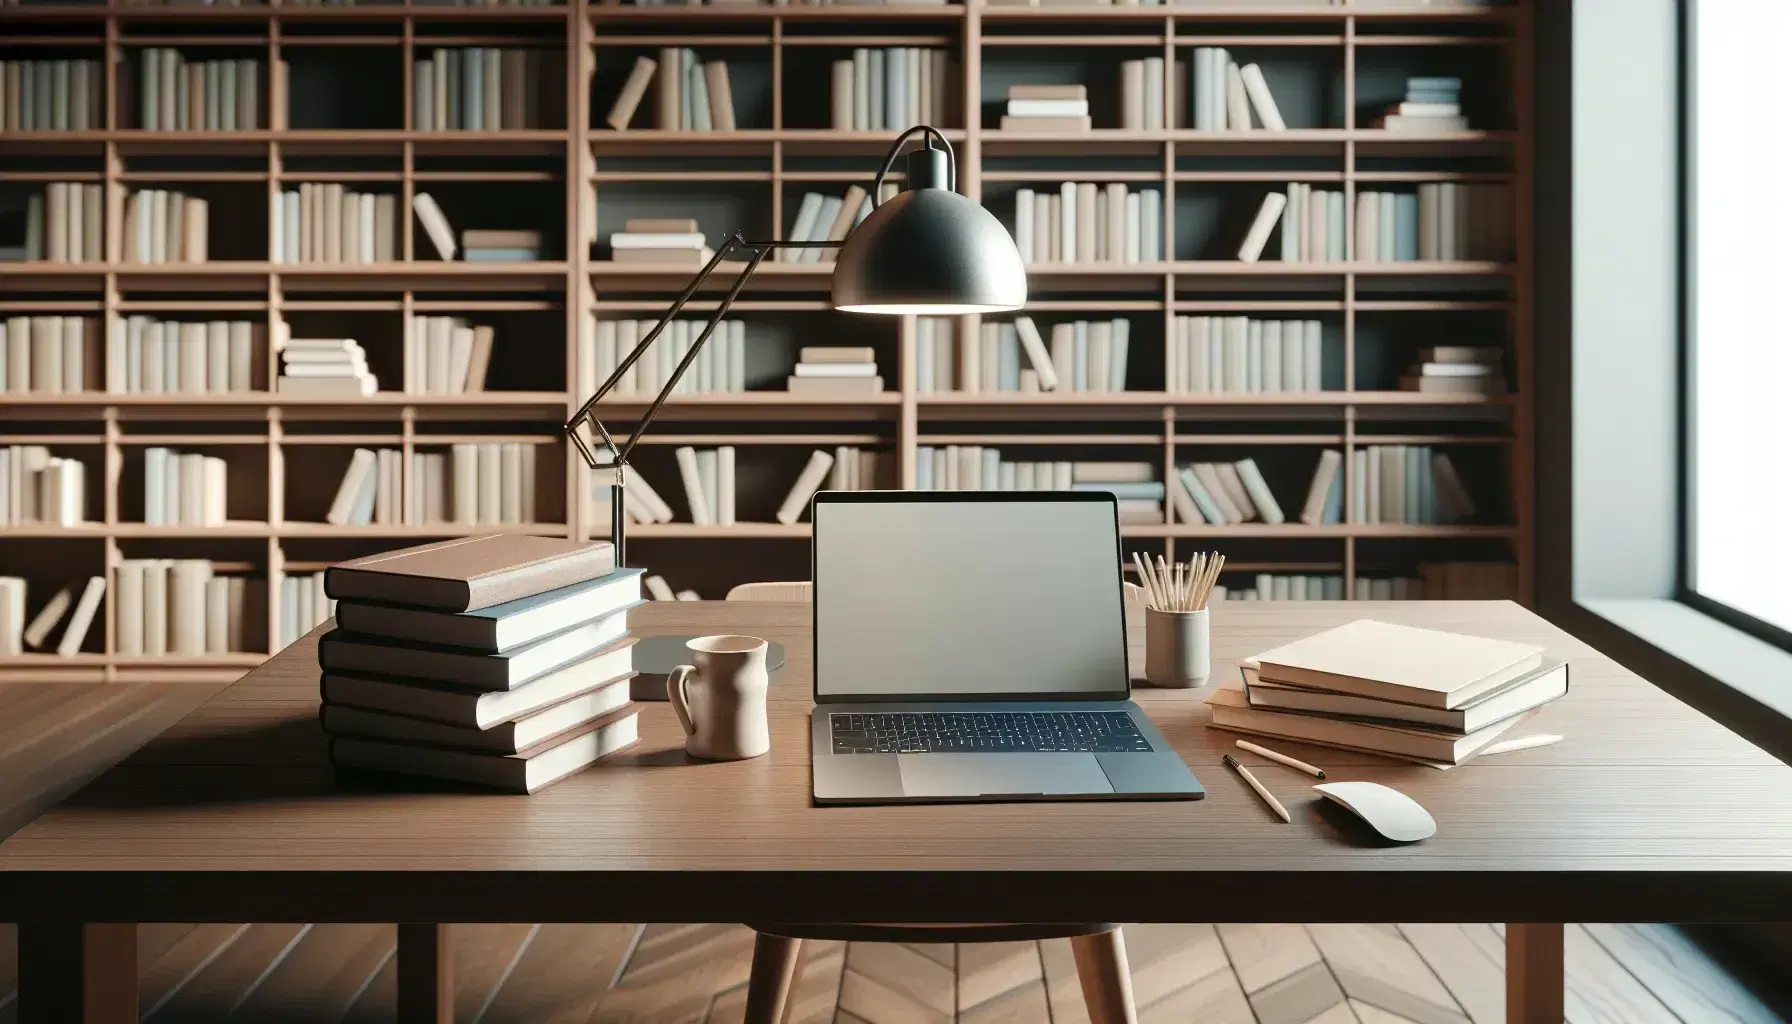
x: 929, y: 251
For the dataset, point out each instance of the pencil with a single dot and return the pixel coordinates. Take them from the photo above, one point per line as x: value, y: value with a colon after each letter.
x: 1274, y: 804
x: 1297, y: 765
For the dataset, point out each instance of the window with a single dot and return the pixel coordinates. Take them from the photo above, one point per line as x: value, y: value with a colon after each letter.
x: 1737, y: 543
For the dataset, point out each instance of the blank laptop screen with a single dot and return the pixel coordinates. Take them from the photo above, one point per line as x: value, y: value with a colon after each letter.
x: 959, y: 598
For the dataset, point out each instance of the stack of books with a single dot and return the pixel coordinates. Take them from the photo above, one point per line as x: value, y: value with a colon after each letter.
x: 45, y: 354
x: 149, y: 356
x: 1414, y: 694
x: 324, y: 366
x: 835, y: 370
x: 214, y: 95
x: 889, y: 89
x: 37, y: 487
x: 1047, y: 108
x: 183, y: 488
x: 1431, y: 105
x: 663, y: 241
x: 1457, y: 369
x: 515, y: 246
x: 64, y: 223
x: 502, y: 660
x: 1225, y: 94
x: 64, y: 95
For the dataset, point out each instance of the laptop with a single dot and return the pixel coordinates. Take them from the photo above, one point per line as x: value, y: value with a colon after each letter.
x: 971, y: 646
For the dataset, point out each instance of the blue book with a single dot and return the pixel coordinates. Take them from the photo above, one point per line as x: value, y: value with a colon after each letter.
x: 1406, y: 227
x: 502, y: 255
x: 362, y: 514
x: 1149, y: 490
x: 1203, y: 501
x: 1432, y: 96
x: 472, y: 81
x: 1334, y: 502
x: 500, y: 627
x: 1438, y: 83
x: 1008, y: 358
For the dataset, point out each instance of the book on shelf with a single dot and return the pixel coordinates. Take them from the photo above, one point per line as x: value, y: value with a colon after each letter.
x: 1144, y: 105
x: 47, y: 354
x: 324, y: 366
x: 435, y: 225
x: 13, y: 594
x: 810, y: 480
x: 73, y: 101
x: 1079, y: 356
x: 689, y: 95
x: 323, y: 222
x: 1224, y: 95
x: 890, y: 88
x: 856, y: 469
x: 63, y: 223
x: 161, y: 226
x: 44, y: 622
x: 527, y: 771
x: 628, y: 100
x: 1241, y: 355
x: 180, y: 606
x: 482, y: 88
x: 1047, y: 108
x: 173, y: 94
x: 720, y: 367
x: 183, y: 488
x: 1432, y: 105
x: 147, y: 356
x: 38, y: 487
x: 1258, y: 235
x: 1439, y: 221
x: 1468, y: 370
x: 1083, y: 222
x: 446, y: 355
x: 1408, y: 484
x: 821, y: 218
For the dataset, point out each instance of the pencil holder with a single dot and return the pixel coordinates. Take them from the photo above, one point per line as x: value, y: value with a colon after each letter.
x: 1176, y: 648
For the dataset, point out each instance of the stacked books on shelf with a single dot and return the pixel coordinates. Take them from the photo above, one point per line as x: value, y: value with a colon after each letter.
x: 324, y: 367
x: 52, y: 96
x: 1408, y: 484
x: 835, y: 370
x: 500, y: 660
x: 165, y: 227
x: 1142, y: 99
x: 184, y: 488
x: 979, y: 468
x: 36, y: 635
x: 491, y: 483
x: 890, y: 88
x: 721, y: 366
x: 1226, y: 95
x: 1047, y: 108
x: 1227, y: 493
x: 1289, y: 587
x: 1442, y: 221
x: 445, y: 355
x: 1457, y: 369
x: 935, y: 353
x: 1083, y: 222
x: 215, y: 95
x: 1432, y: 104
x: 689, y: 95
x: 324, y: 222
x: 501, y: 246
x: 1313, y: 227
x: 303, y: 606
x: 146, y: 356
x: 856, y: 469
x: 1478, y: 581
x: 65, y: 223
x: 708, y: 478
x: 661, y: 241
x: 180, y: 606
x: 1213, y: 355
x: 822, y: 218
x: 482, y: 88
x: 1083, y: 356
x: 37, y: 487
x: 1413, y: 694
x: 45, y: 354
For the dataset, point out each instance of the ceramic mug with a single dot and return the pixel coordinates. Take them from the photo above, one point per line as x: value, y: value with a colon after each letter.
x: 720, y: 698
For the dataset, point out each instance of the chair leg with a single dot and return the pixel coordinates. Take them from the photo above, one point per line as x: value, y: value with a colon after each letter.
x: 774, y: 969
x: 1107, y: 982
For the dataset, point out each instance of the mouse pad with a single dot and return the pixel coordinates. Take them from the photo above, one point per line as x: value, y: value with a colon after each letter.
x: 657, y: 656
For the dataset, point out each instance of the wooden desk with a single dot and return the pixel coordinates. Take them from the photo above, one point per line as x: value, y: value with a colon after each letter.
x: 1649, y: 812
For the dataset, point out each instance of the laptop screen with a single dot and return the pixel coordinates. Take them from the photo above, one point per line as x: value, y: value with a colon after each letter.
x: 968, y: 596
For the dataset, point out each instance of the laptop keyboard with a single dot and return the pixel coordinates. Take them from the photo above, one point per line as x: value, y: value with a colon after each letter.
x: 987, y: 732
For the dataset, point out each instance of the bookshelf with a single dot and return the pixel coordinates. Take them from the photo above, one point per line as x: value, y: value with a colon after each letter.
x: 578, y: 181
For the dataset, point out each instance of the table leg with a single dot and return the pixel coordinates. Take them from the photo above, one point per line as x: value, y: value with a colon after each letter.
x: 74, y: 972
x: 425, y: 974
x: 1534, y: 974
x: 1106, y: 979
x: 774, y: 970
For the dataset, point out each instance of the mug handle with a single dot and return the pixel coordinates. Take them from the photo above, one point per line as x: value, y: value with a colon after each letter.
x: 675, y: 696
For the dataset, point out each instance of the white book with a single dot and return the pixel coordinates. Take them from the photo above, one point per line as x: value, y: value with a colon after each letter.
x: 1325, y: 477
x: 725, y: 485
x: 1132, y: 248
x: 806, y: 484
x: 1238, y: 108
x: 1294, y: 359
x: 1067, y: 240
x: 876, y: 80
x: 804, y: 227
x: 1271, y: 379
x: 1258, y: 236
x: 1023, y: 225
x: 1049, y: 108
x: 1253, y: 355
x: 1033, y: 346
x: 1258, y: 489
x: 1310, y: 374
x: 217, y: 615
x: 824, y: 218
x: 360, y: 469
x: 709, y: 475
x: 692, y: 479
x: 696, y: 92
x: 128, y: 615
x: 490, y: 501
x: 435, y: 224
x: 861, y: 89
x: 1118, y: 353
x: 1262, y: 101
x: 82, y: 619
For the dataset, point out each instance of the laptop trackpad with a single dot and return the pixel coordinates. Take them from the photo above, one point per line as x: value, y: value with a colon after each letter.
x: 1001, y: 774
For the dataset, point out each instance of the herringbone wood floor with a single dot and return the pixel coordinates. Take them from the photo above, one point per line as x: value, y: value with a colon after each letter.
x: 1182, y: 974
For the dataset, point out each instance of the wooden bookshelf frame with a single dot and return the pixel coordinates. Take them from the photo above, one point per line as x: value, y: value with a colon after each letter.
x: 902, y: 419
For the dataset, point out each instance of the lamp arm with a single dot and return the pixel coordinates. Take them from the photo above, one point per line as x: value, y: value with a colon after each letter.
x: 931, y: 134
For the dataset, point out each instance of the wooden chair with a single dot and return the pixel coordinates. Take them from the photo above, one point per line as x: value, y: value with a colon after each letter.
x: 1099, y: 948
x: 802, y: 591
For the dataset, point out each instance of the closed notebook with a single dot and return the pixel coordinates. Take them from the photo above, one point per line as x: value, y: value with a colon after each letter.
x: 527, y: 771
x: 481, y: 709
x: 469, y: 573
x: 511, y: 737
x: 340, y: 651
x: 501, y: 626
x: 1540, y: 687
x: 1427, y: 667
x: 1232, y: 710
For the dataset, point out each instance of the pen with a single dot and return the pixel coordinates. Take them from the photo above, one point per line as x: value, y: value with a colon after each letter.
x: 1274, y: 804
x: 1542, y: 739
x: 1297, y: 765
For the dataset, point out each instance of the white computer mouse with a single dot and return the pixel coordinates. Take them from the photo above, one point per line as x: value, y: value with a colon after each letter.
x: 1388, y: 811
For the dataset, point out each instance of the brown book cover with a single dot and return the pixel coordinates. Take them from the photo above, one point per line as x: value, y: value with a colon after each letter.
x: 629, y: 99
x: 834, y: 385
x: 470, y: 572
x: 481, y: 360
x: 325, y: 387
x: 661, y: 226
x: 670, y: 99
x: 721, y: 96
x: 835, y: 354
x: 665, y: 257
x: 1045, y: 124
x: 1048, y: 92
x: 489, y: 239
x: 1455, y: 385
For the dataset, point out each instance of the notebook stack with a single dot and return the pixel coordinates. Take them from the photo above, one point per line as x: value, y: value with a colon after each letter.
x: 325, y: 366
x: 501, y: 246
x: 662, y: 241
x: 835, y: 370
x: 1413, y: 694
x: 1047, y: 108
x: 1457, y: 369
x: 501, y: 660
x: 1431, y: 105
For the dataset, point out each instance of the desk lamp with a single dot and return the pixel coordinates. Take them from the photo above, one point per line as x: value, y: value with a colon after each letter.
x: 928, y: 252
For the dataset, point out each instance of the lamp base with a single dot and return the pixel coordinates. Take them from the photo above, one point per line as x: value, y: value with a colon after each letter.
x: 657, y: 656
